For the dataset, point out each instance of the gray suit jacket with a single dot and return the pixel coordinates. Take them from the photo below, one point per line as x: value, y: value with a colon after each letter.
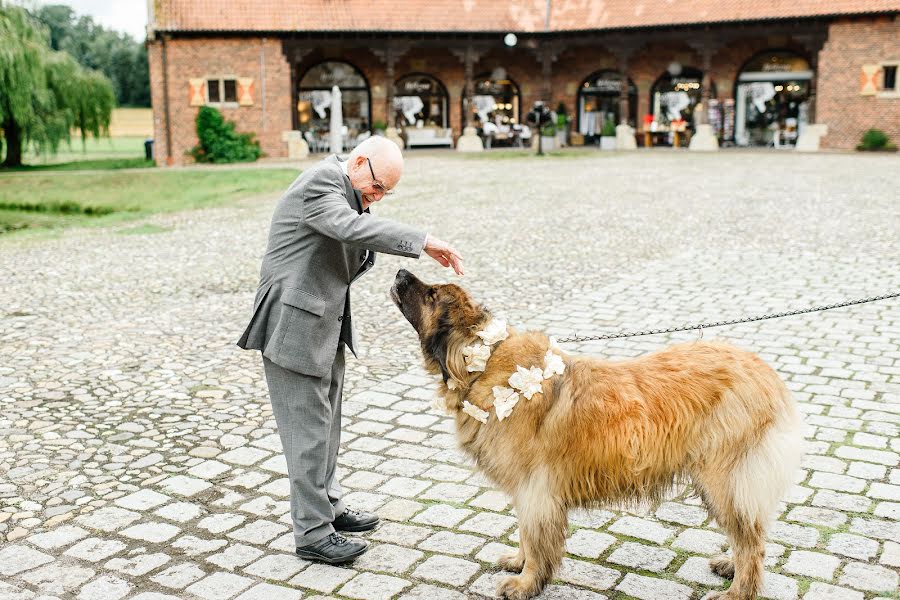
x: 320, y: 241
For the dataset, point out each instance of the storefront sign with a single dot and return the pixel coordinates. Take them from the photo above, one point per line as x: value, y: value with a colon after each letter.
x: 417, y: 86
x: 604, y: 86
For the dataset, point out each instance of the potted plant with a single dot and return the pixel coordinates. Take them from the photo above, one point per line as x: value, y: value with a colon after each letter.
x: 548, y: 137
x: 379, y: 127
x: 608, y: 135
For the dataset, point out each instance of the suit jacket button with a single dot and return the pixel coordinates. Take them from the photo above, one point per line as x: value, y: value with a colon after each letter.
x: 340, y: 318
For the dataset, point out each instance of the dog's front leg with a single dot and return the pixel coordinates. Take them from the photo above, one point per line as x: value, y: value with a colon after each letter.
x: 542, y: 529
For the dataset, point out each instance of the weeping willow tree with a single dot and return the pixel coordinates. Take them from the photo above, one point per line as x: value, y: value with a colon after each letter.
x: 44, y: 95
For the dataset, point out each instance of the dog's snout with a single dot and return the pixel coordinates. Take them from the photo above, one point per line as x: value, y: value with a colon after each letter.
x: 403, y: 276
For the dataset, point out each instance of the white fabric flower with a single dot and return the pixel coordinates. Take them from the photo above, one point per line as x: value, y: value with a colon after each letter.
x: 505, y: 399
x: 494, y: 332
x: 553, y: 364
x: 554, y: 345
x: 439, y: 404
x: 475, y: 412
x: 527, y: 381
x: 451, y: 384
x: 476, y: 357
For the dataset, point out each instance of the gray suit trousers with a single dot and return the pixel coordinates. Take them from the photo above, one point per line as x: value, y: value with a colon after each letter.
x: 308, y: 414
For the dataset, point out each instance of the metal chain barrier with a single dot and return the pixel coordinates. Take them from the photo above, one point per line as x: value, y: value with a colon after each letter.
x: 702, y: 326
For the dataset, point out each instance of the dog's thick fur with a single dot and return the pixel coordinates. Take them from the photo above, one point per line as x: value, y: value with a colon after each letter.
x: 615, y: 432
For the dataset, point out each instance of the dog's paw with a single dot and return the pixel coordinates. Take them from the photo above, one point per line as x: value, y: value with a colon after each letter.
x: 512, y: 561
x: 518, y: 588
x: 722, y: 566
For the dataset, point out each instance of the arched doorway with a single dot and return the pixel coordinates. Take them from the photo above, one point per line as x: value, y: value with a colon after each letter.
x: 495, y: 108
x: 598, y: 101
x: 314, y: 102
x: 771, y: 99
x: 674, y: 96
x: 420, y: 100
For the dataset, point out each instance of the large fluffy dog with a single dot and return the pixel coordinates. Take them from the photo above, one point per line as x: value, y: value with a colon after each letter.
x: 611, y: 432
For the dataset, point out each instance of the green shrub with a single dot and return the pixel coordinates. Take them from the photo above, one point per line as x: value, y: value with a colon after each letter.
x: 875, y: 139
x: 219, y: 142
x: 379, y: 125
x: 609, y: 128
x: 548, y: 130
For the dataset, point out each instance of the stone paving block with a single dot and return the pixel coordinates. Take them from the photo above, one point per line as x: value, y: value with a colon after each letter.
x: 450, y: 492
x: 365, y: 501
x: 244, y: 456
x: 868, y: 455
x: 884, y: 491
x: 700, y: 541
x: 876, y: 528
x: 871, y: 578
x: 643, y: 529
x: 58, y: 579
x: 813, y: 564
x: 181, y: 485
x: 778, y: 587
x: 279, y: 567
x: 491, y: 500
x: 276, y: 464
x: 823, y: 591
x: 152, y: 532
x: 843, y: 502
x: 650, y: 588
x: 155, y: 596
x: 219, y: 586
x: 445, y: 569
x: 323, y: 578
x: 371, y: 586
x: 431, y: 592
x: 696, y: 570
x: 795, y: 535
x: 681, y: 514
x: 589, y: 544
x: 105, y: 587
x: 267, y: 591
x: 817, y: 516
x: 95, y: 549
x: 840, y: 483
x: 452, y: 543
x: 58, y: 537
x: 208, y: 469
x: 854, y: 546
x: 220, y: 523
x: 493, y: 551
x: 235, y: 555
x: 405, y: 487
x: 442, y: 515
x: 638, y: 556
x: 587, y: 574
x: 16, y: 558
x: 138, y: 565
x: 142, y: 500
x: 180, y: 512
x: 109, y: 518
x: 866, y: 470
x: 401, y: 510
x: 486, y: 585
x: 888, y: 510
x: 404, y: 535
x: 388, y: 558
x: 193, y: 546
x: 257, y: 532
x: 891, y: 554
x: 178, y: 576
x: 447, y: 473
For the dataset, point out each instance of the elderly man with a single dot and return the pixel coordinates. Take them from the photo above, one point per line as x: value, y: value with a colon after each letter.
x: 322, y: 238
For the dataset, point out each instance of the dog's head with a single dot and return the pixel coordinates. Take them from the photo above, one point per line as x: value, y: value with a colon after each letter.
x: 446, y: 319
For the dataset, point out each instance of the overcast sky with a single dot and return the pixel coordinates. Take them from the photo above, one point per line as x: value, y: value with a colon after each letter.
x: 129, y: 16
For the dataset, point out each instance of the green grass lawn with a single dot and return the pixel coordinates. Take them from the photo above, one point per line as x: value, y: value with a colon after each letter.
x: 60, y: 199
x: 93, y: 149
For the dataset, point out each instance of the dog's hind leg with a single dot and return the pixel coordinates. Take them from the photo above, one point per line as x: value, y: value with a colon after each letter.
x: 542, y: 527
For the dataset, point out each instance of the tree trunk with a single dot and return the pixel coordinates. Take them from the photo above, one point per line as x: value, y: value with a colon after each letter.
x: 13, y: 137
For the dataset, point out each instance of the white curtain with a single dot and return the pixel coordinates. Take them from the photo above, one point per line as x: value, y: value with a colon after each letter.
x: 674, y: 103
x: 483, y: 105
x: 409, y: 106
x: 320, y: 99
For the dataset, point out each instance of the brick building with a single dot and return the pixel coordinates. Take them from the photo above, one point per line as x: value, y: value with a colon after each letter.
x: 758, y: 71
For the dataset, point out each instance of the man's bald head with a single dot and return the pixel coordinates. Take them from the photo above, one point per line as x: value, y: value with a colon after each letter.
x: 385, y: 158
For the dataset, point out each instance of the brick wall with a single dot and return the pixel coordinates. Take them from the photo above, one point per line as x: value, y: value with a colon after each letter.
x: 852, y: 44
x: 256, y: 58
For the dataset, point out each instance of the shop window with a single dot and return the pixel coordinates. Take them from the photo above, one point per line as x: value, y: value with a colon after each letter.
x: 314, y: 102
x: 219, y: 91
x: 420, y: 101
x: 599, y: 101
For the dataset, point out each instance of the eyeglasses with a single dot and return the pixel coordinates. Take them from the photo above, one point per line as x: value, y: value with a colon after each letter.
x: 379, y: 187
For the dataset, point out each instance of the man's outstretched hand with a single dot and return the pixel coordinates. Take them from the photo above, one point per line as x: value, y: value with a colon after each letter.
x: 444, y: 253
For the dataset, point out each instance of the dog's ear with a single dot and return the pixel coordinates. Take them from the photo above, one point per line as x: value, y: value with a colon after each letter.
x: 436, y: 347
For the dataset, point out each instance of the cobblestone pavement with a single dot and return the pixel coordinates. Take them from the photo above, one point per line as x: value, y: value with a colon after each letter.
x: 139, y: 457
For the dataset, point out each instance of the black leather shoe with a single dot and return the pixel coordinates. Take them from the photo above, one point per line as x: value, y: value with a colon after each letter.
x: 334, y: 549
x: 354, y: 522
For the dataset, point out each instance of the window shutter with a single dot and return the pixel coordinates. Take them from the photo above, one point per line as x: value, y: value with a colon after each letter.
x: 197, y: 92
x: 868, y: 80
x: 245, y: 91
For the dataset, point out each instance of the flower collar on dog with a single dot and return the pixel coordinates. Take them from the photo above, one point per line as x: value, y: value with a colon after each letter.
x: 525, y: 382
